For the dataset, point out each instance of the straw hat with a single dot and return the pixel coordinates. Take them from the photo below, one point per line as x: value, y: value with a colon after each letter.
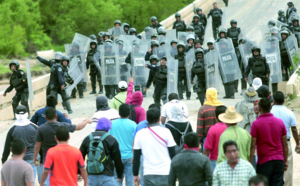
x: 250, y: 94
x: 230, y: 116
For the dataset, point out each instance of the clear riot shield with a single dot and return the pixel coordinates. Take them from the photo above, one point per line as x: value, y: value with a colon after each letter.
x: 224, y: 19
x: 110, y: 71
x: 245, y: 50
x: 182, y: 36
x: 272, y: 53
x: 116, y: 32
x: 75, y: 73
x: 29, y: 82
x: 292, y: 16
x: 171, y: 34
x: 138, y: 62
x: 173, y: 51
x: 67, y: 48
x: 291, y: 46
x: 172, y: 83
x: 125, y: 68
x: 189, y: 60
x: 265, y: 32
x: 228, y: 62
x: 147, y: 35
x: 96, y: 60
x: 212, y: 73
x: 162, y: 51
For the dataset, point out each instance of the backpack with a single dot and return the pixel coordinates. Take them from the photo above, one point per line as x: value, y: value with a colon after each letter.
x: 132, y: 112
x: 179, y: 148
x: 96, y: 156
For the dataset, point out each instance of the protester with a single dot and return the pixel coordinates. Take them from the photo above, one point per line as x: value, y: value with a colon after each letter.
x: 269, y: 136
x: 256, y: 83
x: 264, y: 92
x: 63, y: 161
x: 288, y: 117
x: 45, y: 137
x: 103, y: 110
x: 123, y: 130
x: 158, y: 148
x: 178, y: 125
x: 246, y: 108
x: 258, y: 180
x: 165, y: 111
x: 234, y: 170
x: 25, y: 130
x: 16, y: 171
x: 120, y: 98
x: 111, y: 156
x: 235, y: 133
x: 189, y: 166
x: 39, y: 116
x: 206, y: 114
x: 211, y: 145
x: 135, y: 101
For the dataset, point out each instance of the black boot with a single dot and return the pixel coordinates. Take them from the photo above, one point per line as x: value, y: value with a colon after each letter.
x: 93, y: 92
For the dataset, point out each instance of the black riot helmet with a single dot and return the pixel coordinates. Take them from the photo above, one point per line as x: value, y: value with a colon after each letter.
x: 271, y: 23
x: 222, y: 30
x: 132, y: 30
x: 285, y: 32
x: 106, y: 34
x: 198, y: 9
x: 280, y: 12
x: 58, y: 55
x: 198, y: 51
x: 65, y: 58
x: 14, y: 62
x: 147, y: 29
x: 153, y: 18
x: 255, y: 49
x: 117, y: 22
x: 100, y: 34
x: 196, y: 17
x: 290, y: 3
x: 161, y: 31
x: 180, y: 44
x: 173, y: 41
x: 233, y: 21
x: 153, y: 58
x: 154, y: 43
x: 295, y: 19
x: 177, y: 15
x: 93, y: 37
x: 190, y: 28
x: 93, y: 42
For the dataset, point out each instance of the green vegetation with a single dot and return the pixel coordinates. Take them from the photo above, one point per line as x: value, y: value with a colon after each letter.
x: 4, y: 69
x: 30, y: 25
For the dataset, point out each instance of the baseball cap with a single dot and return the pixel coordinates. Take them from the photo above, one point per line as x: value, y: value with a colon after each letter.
x: 21, y: 109
x: 256, y: 83
x: 122, y: 85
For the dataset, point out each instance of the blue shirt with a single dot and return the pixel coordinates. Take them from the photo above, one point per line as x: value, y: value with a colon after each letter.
x: 141, y: 125
x: 39, y: 117
x: 287, y: 116
x: 123, y: 131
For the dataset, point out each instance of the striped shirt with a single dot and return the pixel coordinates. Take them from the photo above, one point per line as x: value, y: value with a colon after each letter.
x: 206, y: 119
x: 239, y: 176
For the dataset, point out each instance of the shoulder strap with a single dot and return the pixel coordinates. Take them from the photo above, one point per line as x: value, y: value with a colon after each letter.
x: 104, y: 136
x: 187, y: 126
x: 172, y: 126
x: 165, y: 142
x: 91, y: 137
x: 118, y: 100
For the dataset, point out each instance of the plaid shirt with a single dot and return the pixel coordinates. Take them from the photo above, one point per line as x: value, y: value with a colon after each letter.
x: 239, y: 176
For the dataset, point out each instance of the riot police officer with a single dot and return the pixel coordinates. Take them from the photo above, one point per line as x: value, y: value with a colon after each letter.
x: 210, y: 45
x: 182, y: 79
x: 161, y: 31
x: 155, y: 24
x: 190, y: 42
x: 100, y: 38
x: 233, y: 32
x: 222, y: 34
x: 18, y: 81
x: 216, y: 15
x: 202, y: 17
x: 199, y: 71
x: 173, y: 45
x: 93, y: 37
x: 106, y: 36
x: 57, y: 57
x: 160, y: 80
x: 94, y: 72
x: 154, y: 44
x: 290, y: 10
x: 295, y: 28
x: 198, y: 27
x: 285, y: 60
x: 281, y: 16
x: 258, y: 65
x: 191, y: 30
x: 153, y: 61
x: 65, y: 60
x: 197, y: 44
x: 132, y: 31
x: 179, y: 24
x: 124, y: 70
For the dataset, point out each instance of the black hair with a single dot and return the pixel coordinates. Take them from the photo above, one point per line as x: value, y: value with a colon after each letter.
x: 279, y: 97
x: 51, y: 101
x: 62, y: 133
x: 154, y: 106
x: 124, y: 110
x: 265, y: 105
x: 258, y: 179
x: 229, y: 143
x: 153, y: 115
x: 18, y: 146
x: 173, y: 96
x: 214, y: 3
x: 220, y: 110
x: 191, y: 139
x: 50, y: 113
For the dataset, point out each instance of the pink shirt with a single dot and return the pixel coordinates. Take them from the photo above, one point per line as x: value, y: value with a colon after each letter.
x: 213, y: 138
x: 268, y: 131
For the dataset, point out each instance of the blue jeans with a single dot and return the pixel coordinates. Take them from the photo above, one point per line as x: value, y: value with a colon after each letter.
x: 141, y: 171
x: 103, y: 180
x: 156, y: 180
x: 213, y: 164
x: 40, y: 169
x: 202, y: 145
x: 34, y: 168
x: 127, y: 172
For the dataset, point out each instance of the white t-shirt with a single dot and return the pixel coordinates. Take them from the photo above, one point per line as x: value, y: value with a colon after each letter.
x: 166, y: 108
x: 157, y: 160
x: 110, y: 114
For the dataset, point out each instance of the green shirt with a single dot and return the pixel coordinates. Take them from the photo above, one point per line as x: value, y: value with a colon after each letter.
x: 118, y: 100
x: 241, y: 137
x: 239, y: 176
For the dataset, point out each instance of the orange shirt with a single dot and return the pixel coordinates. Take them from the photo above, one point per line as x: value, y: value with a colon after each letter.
x: 63, y: 162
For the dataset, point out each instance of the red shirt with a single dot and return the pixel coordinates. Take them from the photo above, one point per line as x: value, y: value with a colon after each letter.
x: 268, y: 131
x: 63, y: 161
x: 213, y: 138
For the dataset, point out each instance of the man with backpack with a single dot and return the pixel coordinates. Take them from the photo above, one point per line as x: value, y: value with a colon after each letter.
x: 123, y: 130
x: 103, y: 155
x: 120, y: 98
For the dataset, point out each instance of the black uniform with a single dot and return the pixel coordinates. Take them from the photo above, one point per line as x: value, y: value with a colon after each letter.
x: 199, y: 71
x: 216, y: 15
x: 289, y: 12
x: 74, y: 53
x: 94, y: 72
x: 182, y: 76
x: 156, y: 26
x: 296, y: 30
x: 199, y: 30
x: 242, y: 68
x: 203, y: 19
x: 285, y: 61
x: 259, y: 67
x: 282, y: 19
x: 18, y: 81
x: 234, y: 33
x: 179, y: 26
x: 160, y: 82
